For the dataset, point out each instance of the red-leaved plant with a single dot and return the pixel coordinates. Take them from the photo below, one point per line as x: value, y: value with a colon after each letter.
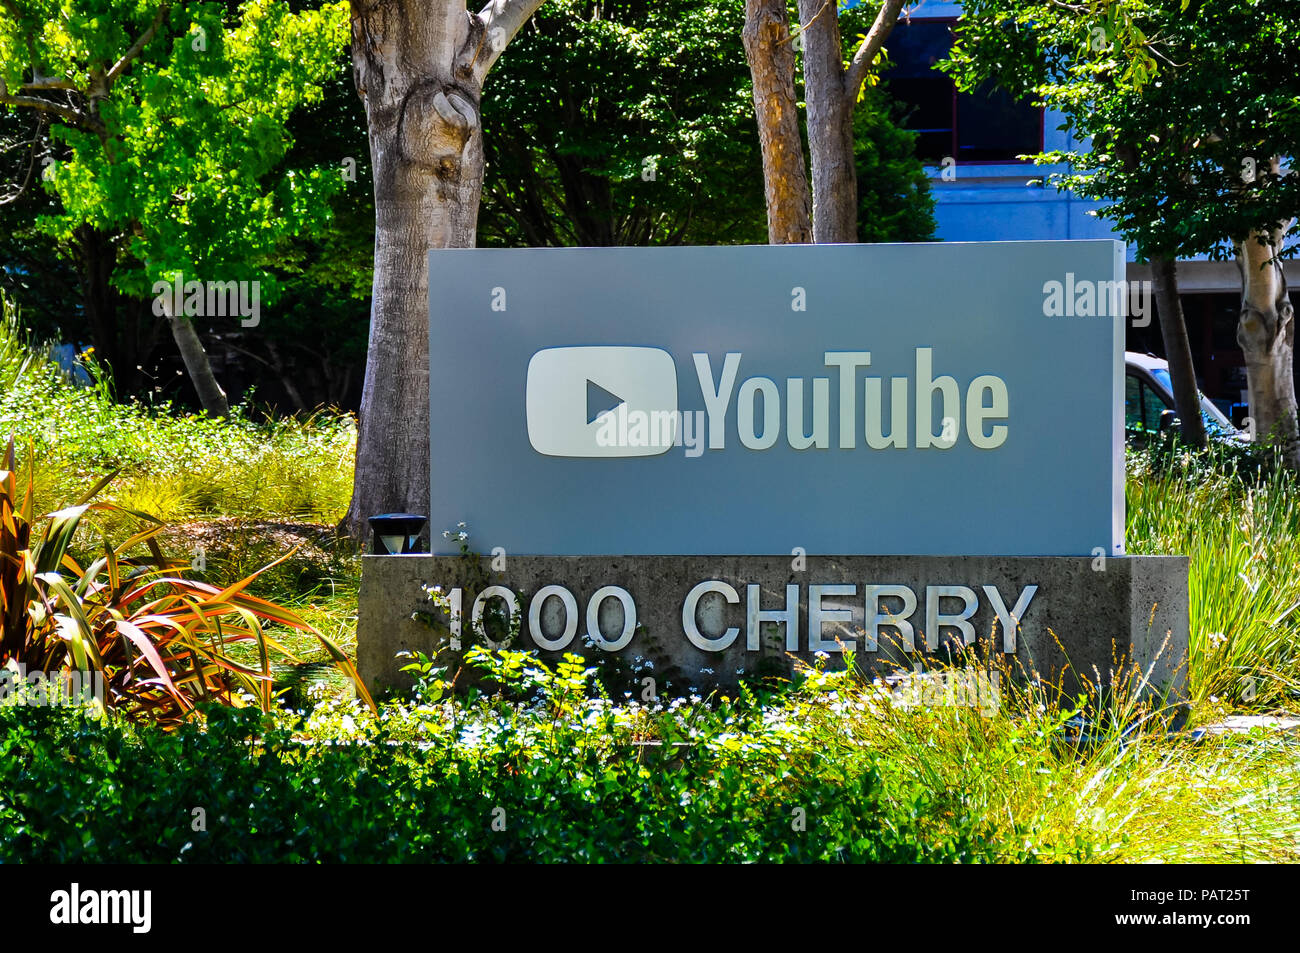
x: 159, y: 642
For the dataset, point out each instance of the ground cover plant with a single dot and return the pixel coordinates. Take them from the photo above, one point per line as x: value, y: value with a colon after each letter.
x: 85, y: 586
x: 178, y: 467
x: 1240, y: 525
x: 560, y: 777
x: 157, y: 643
x: 826, y: 770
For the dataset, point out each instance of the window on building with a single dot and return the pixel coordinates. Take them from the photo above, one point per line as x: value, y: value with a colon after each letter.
x: 986, y: 125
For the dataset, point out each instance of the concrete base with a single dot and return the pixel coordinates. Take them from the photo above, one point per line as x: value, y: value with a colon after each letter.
x: 1089, y: 620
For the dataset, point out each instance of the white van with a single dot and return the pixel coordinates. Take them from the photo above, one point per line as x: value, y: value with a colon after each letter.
x: 1149, y: 395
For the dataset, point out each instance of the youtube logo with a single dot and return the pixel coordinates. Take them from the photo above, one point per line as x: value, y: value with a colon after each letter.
x: 573, y: 391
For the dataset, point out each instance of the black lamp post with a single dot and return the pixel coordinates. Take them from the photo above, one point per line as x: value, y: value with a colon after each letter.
x: 396, y: 534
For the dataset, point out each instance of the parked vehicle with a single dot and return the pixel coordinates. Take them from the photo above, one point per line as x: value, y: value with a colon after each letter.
x: 1149, y: 402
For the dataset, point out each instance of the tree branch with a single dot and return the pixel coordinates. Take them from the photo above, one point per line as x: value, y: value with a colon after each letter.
x: 804, y: 27
x: 501, y: 19
x: 47, y: 82
x: 135, y: 49
x: 35, y: 143
x: 10, y: 146
x: 871, y: 47
x: 99, y: 86
x: 72, y: 117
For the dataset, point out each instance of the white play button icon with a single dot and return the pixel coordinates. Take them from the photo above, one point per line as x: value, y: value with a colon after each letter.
x: 600, y: 401
x: 571, y: 390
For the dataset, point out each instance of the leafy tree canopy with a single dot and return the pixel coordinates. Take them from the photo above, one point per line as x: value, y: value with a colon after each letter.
x: 623, y: 122
x: 166, y: 120
x: 1178, y: 106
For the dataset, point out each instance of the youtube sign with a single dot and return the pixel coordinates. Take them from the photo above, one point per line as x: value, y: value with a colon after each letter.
x: 758, y: 400
x: 708, y: 463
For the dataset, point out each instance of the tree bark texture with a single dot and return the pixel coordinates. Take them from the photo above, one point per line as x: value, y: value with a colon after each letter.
x: 1266, y: 333
x: 211, y: 396
x: 770, y: 52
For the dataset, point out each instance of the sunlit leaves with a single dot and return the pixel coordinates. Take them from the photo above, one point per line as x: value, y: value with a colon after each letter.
x: 194, y: 128
x: 160, y: 641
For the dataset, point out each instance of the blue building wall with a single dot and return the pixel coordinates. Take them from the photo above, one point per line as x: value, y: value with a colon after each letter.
x: 994, y: 202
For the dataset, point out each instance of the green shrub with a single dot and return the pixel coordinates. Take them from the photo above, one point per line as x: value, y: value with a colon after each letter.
x: 157, y: 641
x: 484, y: 781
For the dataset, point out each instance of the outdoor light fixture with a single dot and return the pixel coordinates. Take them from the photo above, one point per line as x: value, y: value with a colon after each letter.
x: 396, y: 533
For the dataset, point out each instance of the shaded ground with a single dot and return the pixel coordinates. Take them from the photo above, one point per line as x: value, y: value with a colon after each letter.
x: 231, y: 541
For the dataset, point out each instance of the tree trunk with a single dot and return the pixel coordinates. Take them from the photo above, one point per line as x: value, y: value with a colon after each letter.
x: 96, y: 259
x: 113, y: 318
x: 211, y: 396
x: 830, y: 125
x: 1266, y: 333
x: 419, y: 69
x: 831, y: 92
x: 771, y: 59
x: 1178, y: 352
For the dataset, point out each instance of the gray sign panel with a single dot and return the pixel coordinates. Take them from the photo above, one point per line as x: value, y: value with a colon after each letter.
x: 936, y: 399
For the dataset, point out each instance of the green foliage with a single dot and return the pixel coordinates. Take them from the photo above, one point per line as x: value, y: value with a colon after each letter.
x: 894, y: 199
x: 175, y: 148
x: 645, y: 136
x: 16, y: 352
x: 217, y: 151
x: 493, y: 782
x: 828, y: 770
x: 1178, y: 107
x: 1240, y: 525
x: 1125, y: 793
x: 159, y: 641
x: 176, y: 466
